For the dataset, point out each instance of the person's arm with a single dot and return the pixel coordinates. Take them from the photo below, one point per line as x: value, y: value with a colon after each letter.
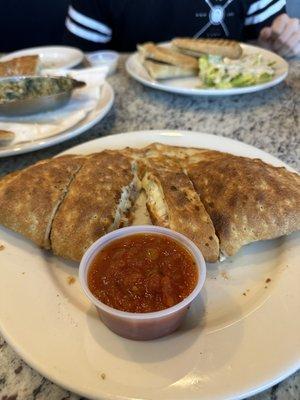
x: 88, y: 25
x: 261, y: 13
x: 283, y: 36
x: 267, y: 22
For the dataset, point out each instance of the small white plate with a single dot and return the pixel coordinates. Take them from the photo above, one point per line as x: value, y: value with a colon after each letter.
x: 92, y: 117
x: 189, y: 85
x: 240, y: 337
x: 51, y: 56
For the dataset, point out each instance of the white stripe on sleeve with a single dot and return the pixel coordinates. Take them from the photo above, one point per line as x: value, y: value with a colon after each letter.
x: 86, y: 33
x: 89, y: 22
x: 256, y: 19
x: 258, y: 5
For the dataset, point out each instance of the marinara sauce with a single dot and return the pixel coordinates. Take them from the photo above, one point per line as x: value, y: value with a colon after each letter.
x: 142, y: 273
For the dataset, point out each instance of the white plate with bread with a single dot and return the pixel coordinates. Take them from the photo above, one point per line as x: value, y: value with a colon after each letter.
x: 50, y: 56
x: 241, y: 335
x: 177, y: 67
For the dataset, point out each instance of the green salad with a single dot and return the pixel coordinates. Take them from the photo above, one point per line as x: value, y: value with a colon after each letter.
x: 224, y: 73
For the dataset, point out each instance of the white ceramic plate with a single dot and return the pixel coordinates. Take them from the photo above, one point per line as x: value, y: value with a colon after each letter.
x: 231, y: 345
x: 51, y: 56
x: 189, y: 85
x: 92, y: 117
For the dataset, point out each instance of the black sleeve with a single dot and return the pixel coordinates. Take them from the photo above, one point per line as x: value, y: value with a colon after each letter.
x: 261, y: 13
x: 88, y: 25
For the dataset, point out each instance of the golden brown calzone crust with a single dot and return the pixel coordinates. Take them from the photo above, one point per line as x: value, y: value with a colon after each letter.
x: 29, y: 198
x: 76, y: 198
x: 247, y: 199
x: 182, y: 155
x: 90, y: 206
x: 185, y: 211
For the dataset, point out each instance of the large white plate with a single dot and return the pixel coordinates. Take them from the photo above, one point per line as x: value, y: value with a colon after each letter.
x: 231, y: 345
x: 95, y: 115
x: 189, y: 85
x: 51, y: 56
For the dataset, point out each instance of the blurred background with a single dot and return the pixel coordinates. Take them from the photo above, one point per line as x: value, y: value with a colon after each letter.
x: 34, y: 23
x: 293, y: 8
x: 30, y: 23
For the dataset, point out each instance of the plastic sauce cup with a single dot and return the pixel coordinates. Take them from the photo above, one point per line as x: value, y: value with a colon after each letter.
x: 142, y: 326
x: 104, y: 57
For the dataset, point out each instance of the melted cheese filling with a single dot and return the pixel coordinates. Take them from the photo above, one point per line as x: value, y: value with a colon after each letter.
x: 155, y: 199
x: 128, y: 196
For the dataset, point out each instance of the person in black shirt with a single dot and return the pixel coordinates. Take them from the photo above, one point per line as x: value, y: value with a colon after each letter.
x: 121, y: 24
x: 29, y: 23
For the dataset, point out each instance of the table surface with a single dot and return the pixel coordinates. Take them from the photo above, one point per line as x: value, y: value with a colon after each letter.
x: 269, y: 120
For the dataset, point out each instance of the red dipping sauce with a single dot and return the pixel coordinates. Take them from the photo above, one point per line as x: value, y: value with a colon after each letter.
x: 142, y: 273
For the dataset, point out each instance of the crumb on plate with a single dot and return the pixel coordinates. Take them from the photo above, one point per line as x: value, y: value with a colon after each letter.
x: 18, y: 370
x: 71, y: 280
x: 225, y: 275
x: 2, y: 247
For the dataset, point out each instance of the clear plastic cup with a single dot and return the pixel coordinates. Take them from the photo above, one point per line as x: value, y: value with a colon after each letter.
x: 142, y: 326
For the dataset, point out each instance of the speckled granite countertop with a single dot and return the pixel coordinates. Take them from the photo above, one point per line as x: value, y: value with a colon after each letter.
x: 269, y: 120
